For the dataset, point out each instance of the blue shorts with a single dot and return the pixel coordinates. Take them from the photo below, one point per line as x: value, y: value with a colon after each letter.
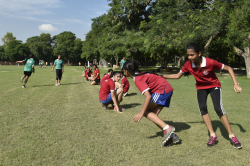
x: 108, y: 100
x: 162, y: 99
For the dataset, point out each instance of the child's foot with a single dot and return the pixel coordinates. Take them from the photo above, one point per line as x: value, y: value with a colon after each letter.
x: 167, y: 133
x: 212, y: 141
x: 120, y: 109
x: 21, y: 79
x: 125, y: 94
x: 236, y: 143
x: 23, y: 86
x: 174, y: 139
x: 59, y: 84
x: 105, y: 107
x: 56, y: 84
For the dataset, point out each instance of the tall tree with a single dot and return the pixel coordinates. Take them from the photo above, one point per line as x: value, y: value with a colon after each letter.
x: 7, y: 38
x: 65, y: 43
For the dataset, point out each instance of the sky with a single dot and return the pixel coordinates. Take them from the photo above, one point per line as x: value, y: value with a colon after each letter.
x: 28, y: 18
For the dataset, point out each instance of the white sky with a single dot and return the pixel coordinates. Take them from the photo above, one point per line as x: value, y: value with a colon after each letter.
x: 27, y: 18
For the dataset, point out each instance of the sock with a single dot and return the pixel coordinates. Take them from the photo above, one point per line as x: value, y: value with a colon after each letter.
x: 166, y: 127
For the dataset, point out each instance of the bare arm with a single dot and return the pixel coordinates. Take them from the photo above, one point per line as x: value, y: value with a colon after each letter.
x: 62, y: 68
x: 115, y: 100
x: 138, y: 117
x: 173, y: 76
x: 53, y: 67
x: 237, y: 87
x: 33, y: 69
x: 19, y: 61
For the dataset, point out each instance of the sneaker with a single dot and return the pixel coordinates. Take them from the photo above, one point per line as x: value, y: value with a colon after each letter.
x: 23, y: 86
x: 120, y: 109
x: 105, y: 107
x: 212, y: 141
x: 59, y: 84
x: 236, y: 143
x: 174, y: 139
x: 167, y: 133
x: 56, y: 84
x: 125, y: 94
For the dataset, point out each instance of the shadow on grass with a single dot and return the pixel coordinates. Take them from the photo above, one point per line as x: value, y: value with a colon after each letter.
x: 126, y: 106
x: 71, y: 83
x: 44, y: 85
x: 218, y: 125
x: 131, y: 94
x: 179, y: 126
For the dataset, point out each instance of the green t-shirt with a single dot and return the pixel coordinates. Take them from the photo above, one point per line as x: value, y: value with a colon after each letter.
x: 122, y: 62
x: 29, y: 63
x: 58, y: 63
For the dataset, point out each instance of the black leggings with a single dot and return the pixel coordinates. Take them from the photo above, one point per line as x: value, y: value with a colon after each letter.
x: 58, y: 74
x: 216, y: 96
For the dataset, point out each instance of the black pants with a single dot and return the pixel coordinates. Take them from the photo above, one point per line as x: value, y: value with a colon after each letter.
x: 58, y: 74
x: 216, y: 96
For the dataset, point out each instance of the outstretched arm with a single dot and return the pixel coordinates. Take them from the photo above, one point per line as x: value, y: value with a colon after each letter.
x: 237, y: 87
x: 173, y: 76
x: 19, y: 61
x: 138, y: 116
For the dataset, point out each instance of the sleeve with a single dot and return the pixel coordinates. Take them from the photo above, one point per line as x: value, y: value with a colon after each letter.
x: 112, y: 85
x: 55, y: 62
x: 141, y: 85
x: 184, y: 68
x: 217, y: 65
x: 123, y: 82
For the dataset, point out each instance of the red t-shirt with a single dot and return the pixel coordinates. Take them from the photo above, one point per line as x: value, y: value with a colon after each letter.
x: 152, y: 83
x: 125, y: 82
x: 205, y: 76
x: 107, y: 86
x: 97, y: 72
x: 106, y: 76
x: 86, y: 73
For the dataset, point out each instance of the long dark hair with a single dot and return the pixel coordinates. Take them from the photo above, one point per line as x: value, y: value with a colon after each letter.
x: 114, y: 73
x: 133, y: 68
x: 194, y: 46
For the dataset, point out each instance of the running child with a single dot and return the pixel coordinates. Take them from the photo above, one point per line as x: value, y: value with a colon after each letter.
x: 202, y: 69
x: 28, y: 69
x: 106, y: 76
x: 158, y: 93
x: 109, y: 95
x: 96, y: 79
x: 59, y: 69
x: 124, y: 83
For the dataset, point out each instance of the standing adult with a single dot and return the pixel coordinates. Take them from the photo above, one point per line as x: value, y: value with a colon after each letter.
x: 28, y: 69
x: 59, y: 69
x: 122, y: 62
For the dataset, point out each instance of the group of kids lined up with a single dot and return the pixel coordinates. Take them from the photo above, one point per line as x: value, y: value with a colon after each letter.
x: 158, y: 92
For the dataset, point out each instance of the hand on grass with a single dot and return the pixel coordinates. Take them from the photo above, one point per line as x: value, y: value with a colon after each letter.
x: 137, y: 117
x: 237, y: 88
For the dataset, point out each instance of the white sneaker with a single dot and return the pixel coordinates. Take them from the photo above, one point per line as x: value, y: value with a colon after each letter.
x: 56, y: 84
x: 59, y: 84
x: 23, y: 86
x: 125, y: 94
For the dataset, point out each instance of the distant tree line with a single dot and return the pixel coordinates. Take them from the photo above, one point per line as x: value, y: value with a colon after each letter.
x: 44, y: 47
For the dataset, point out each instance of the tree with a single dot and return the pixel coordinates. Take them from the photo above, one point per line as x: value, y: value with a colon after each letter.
x: 7, y: 38
x: 65, y: 43
x: 12, y: 52
x: 2, y: 54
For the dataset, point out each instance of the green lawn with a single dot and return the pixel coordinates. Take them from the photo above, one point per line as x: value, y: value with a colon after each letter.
x: 65, y: 125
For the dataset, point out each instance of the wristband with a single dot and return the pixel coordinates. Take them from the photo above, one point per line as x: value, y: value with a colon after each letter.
x: 236, y: 83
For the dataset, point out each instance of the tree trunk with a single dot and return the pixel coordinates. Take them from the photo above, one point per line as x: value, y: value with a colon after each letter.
x: 246, y: 55
x: 247, y: 62
x: 206, y: 47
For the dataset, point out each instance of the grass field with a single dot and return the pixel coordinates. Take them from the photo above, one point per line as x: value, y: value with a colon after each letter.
x: 65, y: 125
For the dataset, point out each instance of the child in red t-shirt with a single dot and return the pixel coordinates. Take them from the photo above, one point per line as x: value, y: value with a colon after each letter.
x: 106, y: 75
x: 157, y: 92
x: 109, y: 95
x: 202, y: 69
x: 125, y: 84
x: 96, y: 78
